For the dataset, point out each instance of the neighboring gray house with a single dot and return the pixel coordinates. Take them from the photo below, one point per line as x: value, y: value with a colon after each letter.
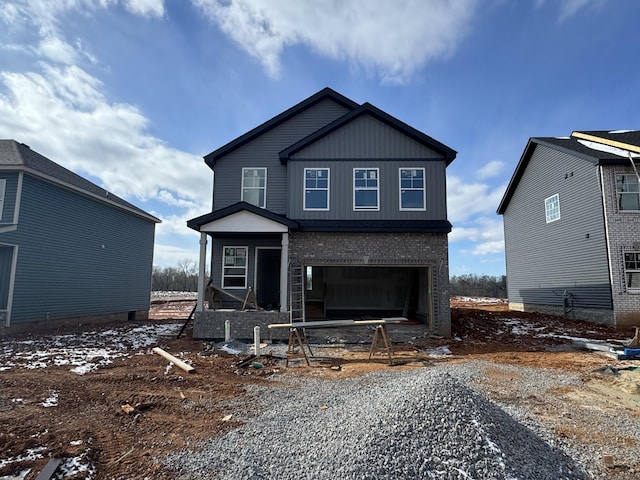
x: 339, y: 197
x: 572, y: 228
x: 68, y: 248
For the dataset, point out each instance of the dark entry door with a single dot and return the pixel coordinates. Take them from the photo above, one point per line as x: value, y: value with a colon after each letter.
x: 268, y: 278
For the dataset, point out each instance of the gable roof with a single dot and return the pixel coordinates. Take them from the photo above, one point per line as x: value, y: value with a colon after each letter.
x: 324, y: 94
x: 366, y: 108
x: 196, y: 223
x: 587, y: 145
x: 17, y: 156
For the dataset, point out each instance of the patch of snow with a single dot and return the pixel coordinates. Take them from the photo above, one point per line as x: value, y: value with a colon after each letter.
x: 230, y: 350
x: 75, y: 442
x: 30, y: 455
x: 86, y: 351
x: 438, y: 351
x: 75, y: 466
x: 52, y: 401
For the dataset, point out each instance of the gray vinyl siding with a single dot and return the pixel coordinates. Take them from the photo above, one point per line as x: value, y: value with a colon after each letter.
x: 341, y: 189
x: 545, y: 259
x: 9, y: 203
x: 263, y: 152
x: 366, y: 137
x: 78, y: 256
x: 217, y: 246
x: 383, y: 147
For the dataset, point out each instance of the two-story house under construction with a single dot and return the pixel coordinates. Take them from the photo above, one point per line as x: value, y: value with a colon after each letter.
x: 572, y: 227
x: 340, y: 200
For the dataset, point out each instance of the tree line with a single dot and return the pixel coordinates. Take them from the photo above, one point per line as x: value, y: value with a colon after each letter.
x: 183, y: 278
x: 472, y: 285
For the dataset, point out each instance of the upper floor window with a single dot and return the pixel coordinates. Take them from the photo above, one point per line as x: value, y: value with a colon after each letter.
x: 412, y: 191
x: 234, y: 267
x: 627, y: 192
x: 254, y: 186
x: 316, y: 189
x: 552, y: 208
x: 632, y: 270
x: 366, y: 189
x: 3, y: 187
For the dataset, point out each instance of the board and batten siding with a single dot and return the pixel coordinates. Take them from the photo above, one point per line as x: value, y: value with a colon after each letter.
x: 341, y: 190
x: 263, y: 152
x: 8, y: 200
x: 366, y: 137
x: 383, y: 147
x: 78, y: 256
x: 545, y: 259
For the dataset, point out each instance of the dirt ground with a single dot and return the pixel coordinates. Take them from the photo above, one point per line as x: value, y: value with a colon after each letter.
x: 118, y: 419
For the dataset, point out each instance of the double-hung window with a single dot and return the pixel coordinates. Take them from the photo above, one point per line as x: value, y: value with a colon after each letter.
x: 628, y: 192
x: 412, y: 190
x: 234, y: 267
x: 366, y: 189
x: 254, y: 186
x: 632, y: 270
x: 316, y: 189
x: 552, y: 208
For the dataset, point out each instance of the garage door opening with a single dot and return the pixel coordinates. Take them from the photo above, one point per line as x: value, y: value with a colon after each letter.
x: 334, y: 292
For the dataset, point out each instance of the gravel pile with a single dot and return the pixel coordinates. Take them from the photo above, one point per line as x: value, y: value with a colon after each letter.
x: 389, y: 425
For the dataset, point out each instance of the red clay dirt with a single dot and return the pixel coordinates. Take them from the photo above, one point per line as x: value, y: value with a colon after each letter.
x: 169, y: 409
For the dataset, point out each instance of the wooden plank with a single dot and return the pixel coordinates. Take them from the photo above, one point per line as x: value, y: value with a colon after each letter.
x: 338, y: 323
x: 606, y: 141
x: 598, y: 346
x: 49, y: 469
x: 177, y: 362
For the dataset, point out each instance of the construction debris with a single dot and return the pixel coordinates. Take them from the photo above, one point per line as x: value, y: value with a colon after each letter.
x: 177, y: 362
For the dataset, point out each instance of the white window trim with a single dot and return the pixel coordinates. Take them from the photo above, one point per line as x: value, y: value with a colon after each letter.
x: 618, y: 193
x: 624, y: 264
x: 377, y: 190
x: 246, y: 267
x: 546, y: 211
x: 255, y: 188
x: 305, y: 189
x: 424, y: 190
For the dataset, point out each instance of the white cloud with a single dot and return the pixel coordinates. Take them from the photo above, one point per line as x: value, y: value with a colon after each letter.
x: 569, y: 8
x: 61, y: 113
x: 491, y: 169
x: 145, y: 8
x: 465, y: 200
x: 169, y: 255
x: 391, y: 39
x: 56, y: 49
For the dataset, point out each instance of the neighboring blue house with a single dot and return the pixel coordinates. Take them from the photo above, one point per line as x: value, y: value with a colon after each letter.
x: 572, y: 227
x: 69, y: 249
x: 331, y: 209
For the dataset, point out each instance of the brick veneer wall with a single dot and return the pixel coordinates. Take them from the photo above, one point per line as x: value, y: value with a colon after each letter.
x: 210, y: 324
x: 398, y: 249
x: 623, y: 236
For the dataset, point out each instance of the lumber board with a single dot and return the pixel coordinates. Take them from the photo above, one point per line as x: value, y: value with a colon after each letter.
x: 49, y: 469
x: 176, y: 361
x: 338, y: 323
x: 598, y: 346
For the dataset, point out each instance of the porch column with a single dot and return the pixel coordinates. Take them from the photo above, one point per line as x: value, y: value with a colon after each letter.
x: 284, y: 262
x: 201, y: 271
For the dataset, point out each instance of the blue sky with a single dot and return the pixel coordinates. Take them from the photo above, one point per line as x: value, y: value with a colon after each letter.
x: 132, y: 93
